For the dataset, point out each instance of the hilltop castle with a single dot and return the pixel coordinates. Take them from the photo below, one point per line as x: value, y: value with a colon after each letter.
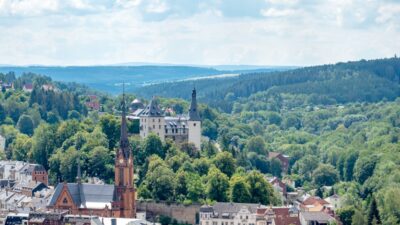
x: 179, y: 128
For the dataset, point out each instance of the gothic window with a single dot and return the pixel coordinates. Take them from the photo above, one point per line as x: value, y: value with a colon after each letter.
x: 65, y: 201
x: 121, y: 176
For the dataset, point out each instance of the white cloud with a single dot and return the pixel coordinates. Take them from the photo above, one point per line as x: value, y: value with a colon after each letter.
x: 290, y: 32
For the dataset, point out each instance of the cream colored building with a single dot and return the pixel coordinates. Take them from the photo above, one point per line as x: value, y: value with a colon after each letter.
x: 184, y: 128
x: 2, y: 143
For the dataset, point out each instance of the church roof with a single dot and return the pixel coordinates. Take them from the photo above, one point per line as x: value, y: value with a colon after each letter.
x: 84, y: 195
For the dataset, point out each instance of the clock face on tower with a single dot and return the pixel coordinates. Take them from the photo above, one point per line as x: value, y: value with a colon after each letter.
x: 121, y: 161
x: 129, y: 161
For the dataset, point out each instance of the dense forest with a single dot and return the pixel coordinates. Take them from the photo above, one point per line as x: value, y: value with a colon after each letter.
x: 369, y: 81
x: 339, y: 124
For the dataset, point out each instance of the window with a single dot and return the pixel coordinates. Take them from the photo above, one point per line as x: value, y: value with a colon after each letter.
x: 65, y: 201
x: 154, y: 126
x: 194, y: 124
x: 159, y: 120
x: 153, y: 120
x: 121, y: 176
x: 247, y: 217
x: 159, y: 126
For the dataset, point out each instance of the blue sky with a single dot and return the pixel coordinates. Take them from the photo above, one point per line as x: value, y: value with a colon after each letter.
x: 258, y: 32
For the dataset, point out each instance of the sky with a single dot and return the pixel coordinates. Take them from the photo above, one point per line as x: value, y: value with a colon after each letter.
x: 203, y: 32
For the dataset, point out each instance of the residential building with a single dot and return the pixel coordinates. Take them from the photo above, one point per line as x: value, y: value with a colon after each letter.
x: 222, y: 213
x: 284, y: 159
x: 314, y: 204
x: 316, y: 218
x: 93, y: 103
x: 27, y: 87
x: 334, y: 201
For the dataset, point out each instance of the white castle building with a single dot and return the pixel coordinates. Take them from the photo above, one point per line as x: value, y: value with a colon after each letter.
x: 184, y: 128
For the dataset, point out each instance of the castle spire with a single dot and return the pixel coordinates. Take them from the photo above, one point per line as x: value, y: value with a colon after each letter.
x: 193, y: 113
x: 124, y: 142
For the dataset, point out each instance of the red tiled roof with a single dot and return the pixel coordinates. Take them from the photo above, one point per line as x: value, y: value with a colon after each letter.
x: 312, y: 200
x: 282, y: 217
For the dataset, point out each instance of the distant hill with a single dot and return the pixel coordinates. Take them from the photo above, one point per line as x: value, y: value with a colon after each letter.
x: 369, y: 81
x: 108, y: 78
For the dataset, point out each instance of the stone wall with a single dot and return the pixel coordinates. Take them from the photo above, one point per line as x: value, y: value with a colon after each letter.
x: 179, y: 212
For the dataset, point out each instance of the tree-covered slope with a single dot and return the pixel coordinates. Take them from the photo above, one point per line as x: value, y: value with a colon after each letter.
x: 371, y: 81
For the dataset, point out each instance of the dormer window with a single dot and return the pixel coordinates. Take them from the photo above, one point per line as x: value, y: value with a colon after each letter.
x: 65, y: 201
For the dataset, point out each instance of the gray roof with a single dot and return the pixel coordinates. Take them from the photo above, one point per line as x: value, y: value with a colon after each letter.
x: 152, y: 109
x: 83, y: 193
x: 316, y: 216
x: 221, y: 209
x: 176, y: 122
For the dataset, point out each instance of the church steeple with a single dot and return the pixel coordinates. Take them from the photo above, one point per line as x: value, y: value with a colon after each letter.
x: 193, y: 113
x: 124, y: 178
x: 124, y: 142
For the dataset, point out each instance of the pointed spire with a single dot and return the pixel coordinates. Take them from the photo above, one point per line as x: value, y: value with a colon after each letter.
x: 124, y: 143
x: 193, y: 113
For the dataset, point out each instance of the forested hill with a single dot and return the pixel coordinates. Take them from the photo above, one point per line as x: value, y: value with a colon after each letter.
x: 369, y: 81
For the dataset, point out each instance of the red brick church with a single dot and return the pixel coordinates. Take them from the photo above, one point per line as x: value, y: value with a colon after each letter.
x: 104, y: 200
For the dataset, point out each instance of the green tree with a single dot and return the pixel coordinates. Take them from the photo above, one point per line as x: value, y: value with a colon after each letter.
x: 217, y: 185
x: 225, y: 162
x: 101, y: 163
x: 111, y: 127
x: 364, y: 168
x: 152, y: 145
x: 260, y: 190
x: 2, y: 113
x: 325, y: 174
x: 160, y: 179
x: 349, y: 166
x: 256, y: 144
x: 358, y: 218
x: 373, y: 213
x: 201, y: 166
x: 276, y: 167
x: 195, y: 187
x: 239, y: 189
x: 25, y: 125
x: 346, y: 214
x: 20, y: 147
x: 43, y: 144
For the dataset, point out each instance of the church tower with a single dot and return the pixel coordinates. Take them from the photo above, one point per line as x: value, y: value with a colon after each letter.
x: 194, y: 123
x: 124, y: 180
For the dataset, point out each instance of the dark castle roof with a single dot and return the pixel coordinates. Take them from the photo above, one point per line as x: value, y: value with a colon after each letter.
x: 152, y: 109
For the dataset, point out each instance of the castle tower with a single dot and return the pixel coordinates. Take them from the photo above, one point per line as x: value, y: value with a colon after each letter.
x: 152, y: 120
x: 124, y: 180
x: 194, y: 123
